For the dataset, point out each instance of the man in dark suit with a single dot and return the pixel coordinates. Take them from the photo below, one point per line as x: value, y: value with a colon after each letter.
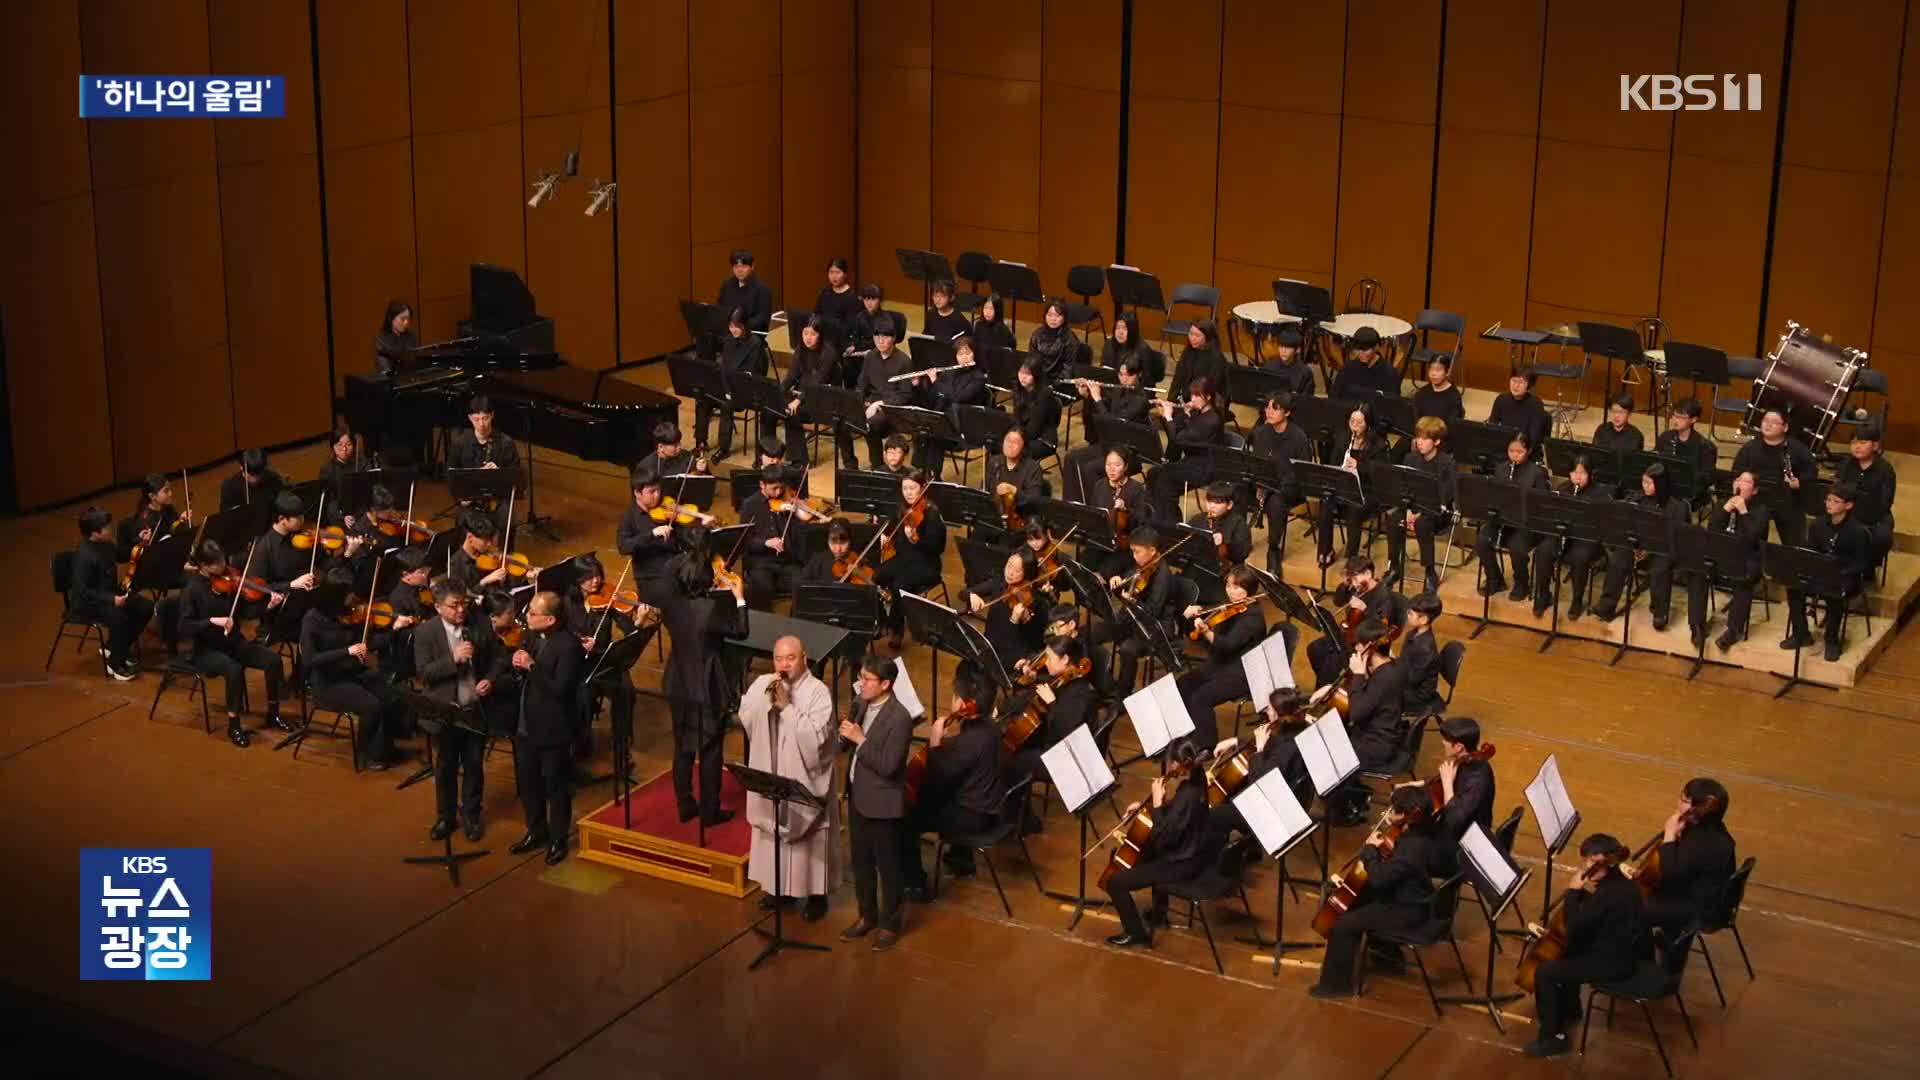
x: 455, y: 660
x: 881, y: 734
x: 549, y: 666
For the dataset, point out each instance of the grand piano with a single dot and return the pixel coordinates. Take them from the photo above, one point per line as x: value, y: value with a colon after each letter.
x: 505, y: 351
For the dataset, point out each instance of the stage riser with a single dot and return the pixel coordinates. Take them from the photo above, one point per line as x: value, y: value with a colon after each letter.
x: 668, y: 860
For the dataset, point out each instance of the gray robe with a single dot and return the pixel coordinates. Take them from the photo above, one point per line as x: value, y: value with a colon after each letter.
x: 809, y: 740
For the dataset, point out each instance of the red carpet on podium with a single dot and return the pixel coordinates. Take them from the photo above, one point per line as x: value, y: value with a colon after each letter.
x: 656, y: 812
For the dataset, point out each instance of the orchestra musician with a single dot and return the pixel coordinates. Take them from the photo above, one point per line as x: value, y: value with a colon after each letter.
x: 463, y: 562
x: 878, y: 388
x: 1053, y: 345
x: 699, y: 685
x: 341, y: 461
x: 858, y: 340
x: 839, y: 549
x: 1365, y: 368
x: 396, y: 339
x: 1016, y: 609
x: 1125, y: 402
x: 668, y: 457
x: 1013, y: 473
x: 284, y: 566
x: 1148, y: 592
x: 1603, y: 930
x: 410, y: 564
x: 1580, y: 555
x: 1744, y: 516
x: 254, y: 485
x: 1036, y: 409
x: 745, y: 292
x: 772, y: 563
x: 1522, y: 471
x: 990, y: 326
x: 1177, y: 850
x: 1438, y: 396
x: 1872, y: 476
x: 1429, y: 433
x: 1835, y: 533
x: 1397, y: 894
x: 1653, y: 495
x: 742, y: 353
x: 915, y: 565
x: 943, y: 321
x: 1283, y: 718
x: 965, y: 384
x: 881, y: 735
x: 1420, y: 656
x: 154, y: 519
x: 593, y: 630
x: 788, y: 718
x: 836, y: 307
x: 649, y: 543
x: 548, y: 662
x: 1220, y: 677
x: 1201, y: 359
x: 1519, y: 408
x: 1364, y: 444
x: 1680, y: 440
x: 816, y: 362
x: 1278, y: 440
x: 774, y: 452
x: 458, y: 660
x: 1192, y: 428
x: 1617, y: 432
x: 1150, y: 364
x: 211, y: 624
x: 1375, y: 707
x: 1786, y: 460
x: 481, y: 446
x: 960, y: 790
x: 1231, y: 539
x: 1362, y: 592
x: 336, y: 658
x: 1290, y: 363
x: 893, y: 456
x: 1068, y: 699
x: 1466, y: 785
x: 1697, y: 857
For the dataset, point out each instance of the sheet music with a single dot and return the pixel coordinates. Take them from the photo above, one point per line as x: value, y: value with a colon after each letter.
x: 1552, y: 806
x: 1267, y: 668
x: 1487, y: 861
x: 1275, y: 816
x: 903, y: 689
x: 1078, y: 770
x: 1328, y: 753
x: 1159, y: 715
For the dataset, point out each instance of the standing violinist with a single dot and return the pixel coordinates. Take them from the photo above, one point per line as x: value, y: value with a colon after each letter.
x: 593, y: 630
x: 772, y: 561
x: 919, y: 538
x: 1117, y: 492
x: 1148, y: 596
x: 210, y: 623
x: 335, y: 657
x: 1696, y: 859
x: 1602, y: 913
x: 1229, y: 537
x: 1221, y: 677
x: 1176, y: 850
x: 1397, y: 892
x: 1017, y: 617
x: 1064, y: 694
x: 960, y: 790
x: 700, y: 617
x: 1284, y: 717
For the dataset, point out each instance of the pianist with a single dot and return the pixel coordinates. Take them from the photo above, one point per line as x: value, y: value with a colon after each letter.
x: 393, y: 346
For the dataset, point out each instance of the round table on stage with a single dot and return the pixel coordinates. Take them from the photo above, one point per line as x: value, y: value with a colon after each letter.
x: 1263, y: 319
x: 1387, y: 326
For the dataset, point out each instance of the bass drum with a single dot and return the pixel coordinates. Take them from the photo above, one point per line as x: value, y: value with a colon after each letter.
x: 1810, y: 379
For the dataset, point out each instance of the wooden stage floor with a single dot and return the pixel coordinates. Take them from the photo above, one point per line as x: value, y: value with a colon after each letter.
x: 334, y: 959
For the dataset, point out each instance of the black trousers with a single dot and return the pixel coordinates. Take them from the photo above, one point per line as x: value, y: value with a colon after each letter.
x: 1148, y: 873
x: 546, y: 788
x: 166, y: 620
x: 703, y: 415
x: 232, y: 666
x: 1556, y: 988
x: 1343, y: 945
x: 1670, y: 915
x: 1580, y: 555
x: 1519, y: 545
x: 1203, y: 692
x: 1355, y: 518
x: 878, y: 880
x: 1278, y: 505
x: 1739, y: 605
x: 769, y: 577
x: 691, y: 743
x: 373, y: 699
x: 1797, y: 615
x: 1328, y: 658
x: 797, y: 438
x: 456, y: 767
x: 900, y: 576
x: 937, y: 816
x: 1789, y: 523
x: 1659, y: 581
x: 1170, y: 482
x: 1424, y: 528
x: 620, y: 696
x: 878, y: 428
x: 124, y: 624
x: 1127, y: 646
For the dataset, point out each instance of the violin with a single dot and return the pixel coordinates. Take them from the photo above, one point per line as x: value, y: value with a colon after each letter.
x: 1121, y: 519
x: 380, y: 611
x: 1009, y: 512
x: 1033, y: 715
x: 723, y: 578
x: 678, y: 513
x: 513, y: 636
x: 1551, y: 942
x: 394, y: 526
x: 1347, y: 885
x: 1217, y: 615
x: 516, y: 563
x: 1135, y: 831
x: 917, y: 762
x: 623, y: 602
x: 850, y: 572
x: 1340, y: 699
x: 811, y: 505
x: 331, y: 538
x: 251, y: 589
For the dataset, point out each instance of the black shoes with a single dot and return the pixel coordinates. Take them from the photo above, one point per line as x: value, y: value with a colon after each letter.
x: 720, y: 817
x: 281, y: 723
x: 1548, y: 1046
x: 124, y: 671
x: 917, y: 894
x: 1833, y: 651
x: 236, y: 734
x: 1542, y: 604
x: 885, y: 939
x: 1518, y: 592
x: 1659, y: 622
x: 689, y: 811
x: 1493, y: 586
x: 1725, y: 641
x: 527, y: 843
x: 1577, y: 609
x: 1326, y: 992
x: 556, y: 853
x: 1699, y: 638
x: 1796, y: 639
x: 369, y: 763
x: 475, y: 830
x: 1124, y: 940
x: 441, y: 829
x: 860, y: 928
x: 815, y: 909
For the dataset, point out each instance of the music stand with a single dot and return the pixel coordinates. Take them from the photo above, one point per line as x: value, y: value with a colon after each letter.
x: 1247, y: 385
x: 1279, y: 823
x: 1323, y: 418
x: 780, y: 790
x: 699, y: 380
x: 1493, y: 503
x: 159, y: 568
x: 1132, y: 287
x: 925, y: 267
x: 1244, y: 467
x: 1553, y: 809
x: 965, y: 505
x: 1568, y: 518
x: 1328, y: 754
x: 433, y: 716
x: 1088, y: 590
x: 921, y: 424
x: 1636, y: 528
x: 1406, y: 487
x: 853, y: 608
x: 942, y: 628
x: 1003, y: 367
x: 1015, y: 281
x: 1142, y: 439
x: 1713, y: 552
x: 1313, y: 306
x: 742, y: 484
x: 1814, y: 574
x: 1477, y: 445
x: 1492, y: 876
x: 615, y: 663
x: 928, y: 351
x: 875, y: 493
x: 695, y: 489
x: 1391, y: 411
x: 1698, y: 363
x: 1080, y: 776
x: 1087, y: 524
x: 1681, y: 477
x: 1324, y: 482
x: 234, y: 529
x: 1607, y: 467
x: 356, y: 488
x: 836, y: 405
x: 309, y: 492
x: 471, y: 485
x: 981, y: 428
x: 757, y: 392
x: 1614, y: 343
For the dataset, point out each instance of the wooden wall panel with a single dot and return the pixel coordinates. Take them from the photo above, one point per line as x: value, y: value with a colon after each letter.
x: 270, y: 229
x: 163, y: 300
x: 986, y: 153
x: 1721, y: 184
x: 1079, y: 133
x: 655, y: 245
x: 817, y: 150
x: 1386, y: 150
x: 1833, y: 175
x: 649, y: 49
x: 464, y: 63
x: 563, y: 58
x: 1173, y: 141
x: 364, y: 72
x: 1896, y: 325
x: 736, y: 180
x: 895, y: 207
x: 49, y: 281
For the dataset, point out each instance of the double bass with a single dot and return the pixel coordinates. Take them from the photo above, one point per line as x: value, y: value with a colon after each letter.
x: 1344, y: 891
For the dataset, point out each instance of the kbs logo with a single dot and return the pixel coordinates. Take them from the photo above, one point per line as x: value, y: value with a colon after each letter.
x: 1693, y: 93
x: 146, y: 913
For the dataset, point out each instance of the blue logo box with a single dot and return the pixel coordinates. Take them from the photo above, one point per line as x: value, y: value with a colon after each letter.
x: 146, y: 913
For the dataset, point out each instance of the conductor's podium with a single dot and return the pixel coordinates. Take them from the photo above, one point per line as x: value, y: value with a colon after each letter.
x: 659, y: 844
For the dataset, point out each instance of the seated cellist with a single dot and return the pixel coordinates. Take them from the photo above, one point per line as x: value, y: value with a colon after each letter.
x: 1397, y: 893
x: 1603, y: 935
x: 1176, y: 851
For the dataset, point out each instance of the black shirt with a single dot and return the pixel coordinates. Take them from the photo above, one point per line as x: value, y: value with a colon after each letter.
x: 1153, y: 362
x: 468, y: 452
x: 1446, y: 404
x: 1605, y: 927
x: 1527, y: 413
x: 1013, y: 640
x: 752, y: 297
x: 837, y: 310
x: 1354, y: 377
x: 1297, y: 376
x: 1121, y: 403
x: 992, y: 335
x: 875, y: 372
x: 1441, y: 467
x: 1030, y: 486
x: 944, y: 327
x: 1285, y: 447
x: 1876, y: 485
x: 236, y: 492
x: 1763, y: 460
x: 198, y: 605
x: 1051, y: 349
x: 1179, y: 827
x: 1233, y: 526
x: 1194, y: 364
x: 1698, y: 864
x: 1472, y: 802
x: 1036, y: 411
x: 965, y: 769
x: 1848, y: 541
x: 1192, y: 432
x: 743, y: 355
x: 394, y: 352
x: 1406, y: 876
x: 1697, y: 448
x: 1607, y: 437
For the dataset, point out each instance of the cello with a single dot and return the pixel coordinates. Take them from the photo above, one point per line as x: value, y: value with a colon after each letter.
x: 916, y: 776
x: 1549, y: 940
x: 1033, y: 715
x: 1644, y: 865
x: 1135, y: 830
x: 1346, y: 886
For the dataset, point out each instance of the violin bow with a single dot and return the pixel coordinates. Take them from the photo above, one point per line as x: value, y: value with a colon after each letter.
x: 1155, y: 561
x: 319, y: 515
x: 406, y: 526
x: 506, y: 542
x: 373, y: 590
x: 241, y: 588
x: 855, y: 565
x: 624, y: 571
x: 1034, y: 584
x: 186, y: 487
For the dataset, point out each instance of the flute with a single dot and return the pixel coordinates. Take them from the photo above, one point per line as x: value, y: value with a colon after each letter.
x: 925, y: 371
